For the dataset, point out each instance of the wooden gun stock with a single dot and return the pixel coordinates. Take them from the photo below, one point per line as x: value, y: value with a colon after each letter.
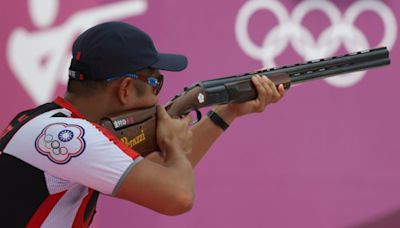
x: 137, y: 128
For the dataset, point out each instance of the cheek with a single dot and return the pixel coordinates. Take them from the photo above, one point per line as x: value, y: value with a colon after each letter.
x: 146, y: 100
x: 153, y: 100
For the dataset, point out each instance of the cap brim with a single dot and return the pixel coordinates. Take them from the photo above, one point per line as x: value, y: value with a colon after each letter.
x: 170, y: 62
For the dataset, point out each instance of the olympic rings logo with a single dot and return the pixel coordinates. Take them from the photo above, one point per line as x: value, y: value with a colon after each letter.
x: 290, y: 30
x: 54, y: 146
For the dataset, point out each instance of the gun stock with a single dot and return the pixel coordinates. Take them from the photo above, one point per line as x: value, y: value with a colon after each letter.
x: 137, y: 128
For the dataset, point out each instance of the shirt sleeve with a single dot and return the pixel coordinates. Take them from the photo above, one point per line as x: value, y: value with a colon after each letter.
x: 76, y: 150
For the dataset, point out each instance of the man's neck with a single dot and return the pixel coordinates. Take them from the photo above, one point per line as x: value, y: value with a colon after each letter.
x: 93, y: 108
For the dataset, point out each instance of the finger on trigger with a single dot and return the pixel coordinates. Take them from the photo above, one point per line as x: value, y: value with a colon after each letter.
x: 187, y: 119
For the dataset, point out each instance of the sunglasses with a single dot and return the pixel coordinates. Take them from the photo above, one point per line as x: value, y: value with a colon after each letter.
x: 155, y: 82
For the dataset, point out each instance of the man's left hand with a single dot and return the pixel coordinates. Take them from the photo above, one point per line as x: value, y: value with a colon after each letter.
x: 267, y: 93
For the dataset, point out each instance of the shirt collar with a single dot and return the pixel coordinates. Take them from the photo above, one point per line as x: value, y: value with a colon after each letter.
x: 65, y: 104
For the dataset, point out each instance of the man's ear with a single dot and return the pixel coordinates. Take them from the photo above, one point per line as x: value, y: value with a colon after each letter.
x: 125, y: 90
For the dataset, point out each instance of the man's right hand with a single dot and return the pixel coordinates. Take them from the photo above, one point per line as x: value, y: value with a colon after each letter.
x: 173, y: 135
x: 166, y: 186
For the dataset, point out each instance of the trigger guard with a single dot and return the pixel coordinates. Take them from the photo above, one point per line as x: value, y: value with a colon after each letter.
x: 198, y: 116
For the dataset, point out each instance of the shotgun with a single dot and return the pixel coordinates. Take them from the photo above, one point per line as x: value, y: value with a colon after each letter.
x: 137, y: 128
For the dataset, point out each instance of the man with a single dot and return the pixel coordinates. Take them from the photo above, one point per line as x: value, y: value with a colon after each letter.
x: 55, y: 158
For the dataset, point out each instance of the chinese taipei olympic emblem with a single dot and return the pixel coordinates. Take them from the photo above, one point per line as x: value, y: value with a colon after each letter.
x: 60, y: 142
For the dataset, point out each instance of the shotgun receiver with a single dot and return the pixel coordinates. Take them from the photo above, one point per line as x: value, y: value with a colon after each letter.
x: 137, y: 128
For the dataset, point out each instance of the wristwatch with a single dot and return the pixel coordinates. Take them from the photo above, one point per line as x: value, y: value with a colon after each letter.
x: 217, y: 120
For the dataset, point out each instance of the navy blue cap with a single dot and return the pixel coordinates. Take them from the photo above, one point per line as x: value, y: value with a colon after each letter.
x: 114, y: 49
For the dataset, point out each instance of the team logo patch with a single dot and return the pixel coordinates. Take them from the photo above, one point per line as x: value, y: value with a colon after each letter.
x: 60, y: 142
